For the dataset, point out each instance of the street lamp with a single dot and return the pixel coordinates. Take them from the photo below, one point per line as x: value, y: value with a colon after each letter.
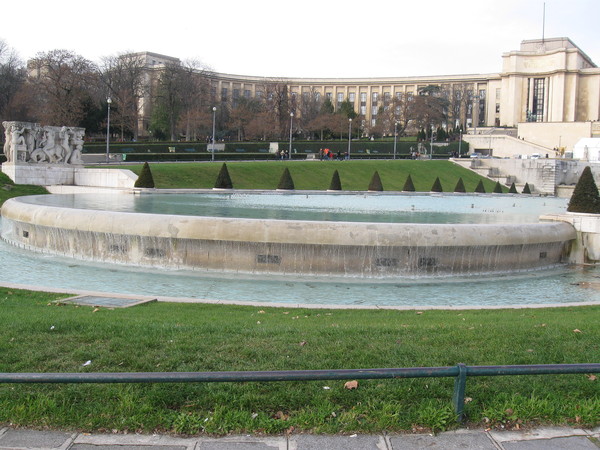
x: 291, y: 125
x: 349, y: 135
x: 431, y: 156
x: 395, y: 137
x: 213, y: 135
x: 108, y: 102
x: 459, y: 141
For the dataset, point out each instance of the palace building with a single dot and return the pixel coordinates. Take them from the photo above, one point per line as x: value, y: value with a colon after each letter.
x: 545, y: 81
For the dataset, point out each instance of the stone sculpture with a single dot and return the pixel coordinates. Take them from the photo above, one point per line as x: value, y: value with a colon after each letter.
x: 32, y: 143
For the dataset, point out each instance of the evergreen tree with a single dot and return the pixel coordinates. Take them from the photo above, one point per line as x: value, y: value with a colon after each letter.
x: 437, y: 186
x: 526, y: 189
x: 286, y: 182
x: 336, y: 184
x: 145, y: 180
x: 223, y: 179
x: 498, y: 188
x: 585, y: 198
x: 408, y: 185
x: 480, y: 189
x: 513, y: 189
x: 375, y: 184
x: 460, y: 186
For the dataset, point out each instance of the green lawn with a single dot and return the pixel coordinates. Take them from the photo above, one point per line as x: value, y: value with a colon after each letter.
x: 8, y: 189
x: 309, y: 175
x: 37, y: 336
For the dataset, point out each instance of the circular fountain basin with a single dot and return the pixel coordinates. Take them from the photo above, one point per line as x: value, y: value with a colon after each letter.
x: 389, y: 248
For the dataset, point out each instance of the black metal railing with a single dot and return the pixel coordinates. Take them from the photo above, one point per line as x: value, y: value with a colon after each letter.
x: 460, y: 372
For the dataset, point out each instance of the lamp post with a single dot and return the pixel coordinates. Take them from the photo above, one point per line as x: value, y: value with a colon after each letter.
x: 108, y: 102
x: 395, y: 137
x: 349, y: 135
x: 431, y: 156
x: 213, y: 135
x: 459, y: 141
x: 291, y: 126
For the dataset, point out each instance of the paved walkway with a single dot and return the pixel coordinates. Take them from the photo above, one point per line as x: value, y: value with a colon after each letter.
x: 538, y: 439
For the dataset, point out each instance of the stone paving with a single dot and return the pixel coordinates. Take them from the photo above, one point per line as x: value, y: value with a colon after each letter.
x: 537, y: 439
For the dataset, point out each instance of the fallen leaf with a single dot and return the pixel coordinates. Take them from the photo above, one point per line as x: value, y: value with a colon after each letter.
x: 592, y: 377
x: 468, y: 400
x: 419, y: 312
x: 96, y: 310
x: 87, y: 363
x: 303, y: 343
x: 576, y: 330
x: 261, y: 312
x: 326, y: 388
x: 258, y: 322
x: 254, y: 415
x: 351, y: 384
x: 281, y: 416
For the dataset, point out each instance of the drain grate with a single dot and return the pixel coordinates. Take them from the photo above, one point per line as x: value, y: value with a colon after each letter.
x: 105, y: 302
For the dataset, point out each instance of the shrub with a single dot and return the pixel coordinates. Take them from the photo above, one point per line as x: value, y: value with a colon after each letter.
x: 585, y: 198
x: 437, y: 186
x: 480, y: 189
x: 513, y: 189
x: 460, y: 186
x: 223, y: 179
x: 375, y: 184
x: 498, y: 188
x: 286, y: 182
x: 336, y: 184
x: 408, y: 185
x: 526, y: 189
x: 145, y: 180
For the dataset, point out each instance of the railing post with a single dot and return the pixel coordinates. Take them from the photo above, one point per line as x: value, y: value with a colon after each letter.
x: 458, y: 398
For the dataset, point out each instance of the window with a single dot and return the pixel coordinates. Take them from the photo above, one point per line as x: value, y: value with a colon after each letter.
x: 375, y: 97
x: 223, y: 94
x: 259, y: 94
x: 363, y: 97
x: 497, y: 108
x: 328, y: 95
x: 399, y: 95
x: 538, y: 100
x: 317, y: 96
x: 247, y: 93
x: 481, y: 107
x: 363, y: 110
x: 340, y: 97
x: 351, y: 97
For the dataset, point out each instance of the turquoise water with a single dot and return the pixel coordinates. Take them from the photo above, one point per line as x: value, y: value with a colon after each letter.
x: 363, y: 207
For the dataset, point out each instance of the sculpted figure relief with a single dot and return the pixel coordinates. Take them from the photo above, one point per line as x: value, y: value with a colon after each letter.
x: 32, y: 143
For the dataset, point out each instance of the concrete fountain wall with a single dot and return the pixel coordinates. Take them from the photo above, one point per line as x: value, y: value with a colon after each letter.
x: 283, y: 246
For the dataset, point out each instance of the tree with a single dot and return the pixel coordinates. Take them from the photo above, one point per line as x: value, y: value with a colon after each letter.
x: 124, y: 79
x: 498, y: 188
x: 512, y: 189
x: 375, y: 184
x: 63, y: 81
x: 585, y: 198
x: 286, y: 182
x: 437, y: 185
x: 346, y: 109
x: 480, y: 189
x: 460, y: 186
x: 526, y: 189
x: 12, y: 80
x: 145, y: 180
x: 336, y: 184
x: 408, y: 185
x: 223, y: 179
x: 242, y: 114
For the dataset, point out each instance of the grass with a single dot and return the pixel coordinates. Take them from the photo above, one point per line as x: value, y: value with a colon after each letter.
x: 316, y: 175
x: 38, y: 336
x: 9, y: 190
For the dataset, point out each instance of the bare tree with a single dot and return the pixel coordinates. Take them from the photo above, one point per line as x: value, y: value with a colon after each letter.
x: 12, y: 79
x: 63, y: 82
x: 124, y: 77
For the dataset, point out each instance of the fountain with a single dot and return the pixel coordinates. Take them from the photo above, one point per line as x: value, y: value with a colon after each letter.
x: 389, y: 248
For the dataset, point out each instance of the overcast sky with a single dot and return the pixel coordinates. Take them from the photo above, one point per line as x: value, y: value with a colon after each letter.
x: 308, y: 38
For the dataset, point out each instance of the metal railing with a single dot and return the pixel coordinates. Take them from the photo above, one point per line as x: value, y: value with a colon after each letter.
x: 460, y: 372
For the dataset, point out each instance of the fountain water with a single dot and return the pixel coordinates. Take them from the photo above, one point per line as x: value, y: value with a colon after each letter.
x: 81, y: 227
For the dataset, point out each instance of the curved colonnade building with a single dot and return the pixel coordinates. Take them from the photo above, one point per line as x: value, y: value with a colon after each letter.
x: 545, y: 81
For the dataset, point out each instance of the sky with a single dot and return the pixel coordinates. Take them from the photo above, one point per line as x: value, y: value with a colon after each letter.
x: 308, y: 38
